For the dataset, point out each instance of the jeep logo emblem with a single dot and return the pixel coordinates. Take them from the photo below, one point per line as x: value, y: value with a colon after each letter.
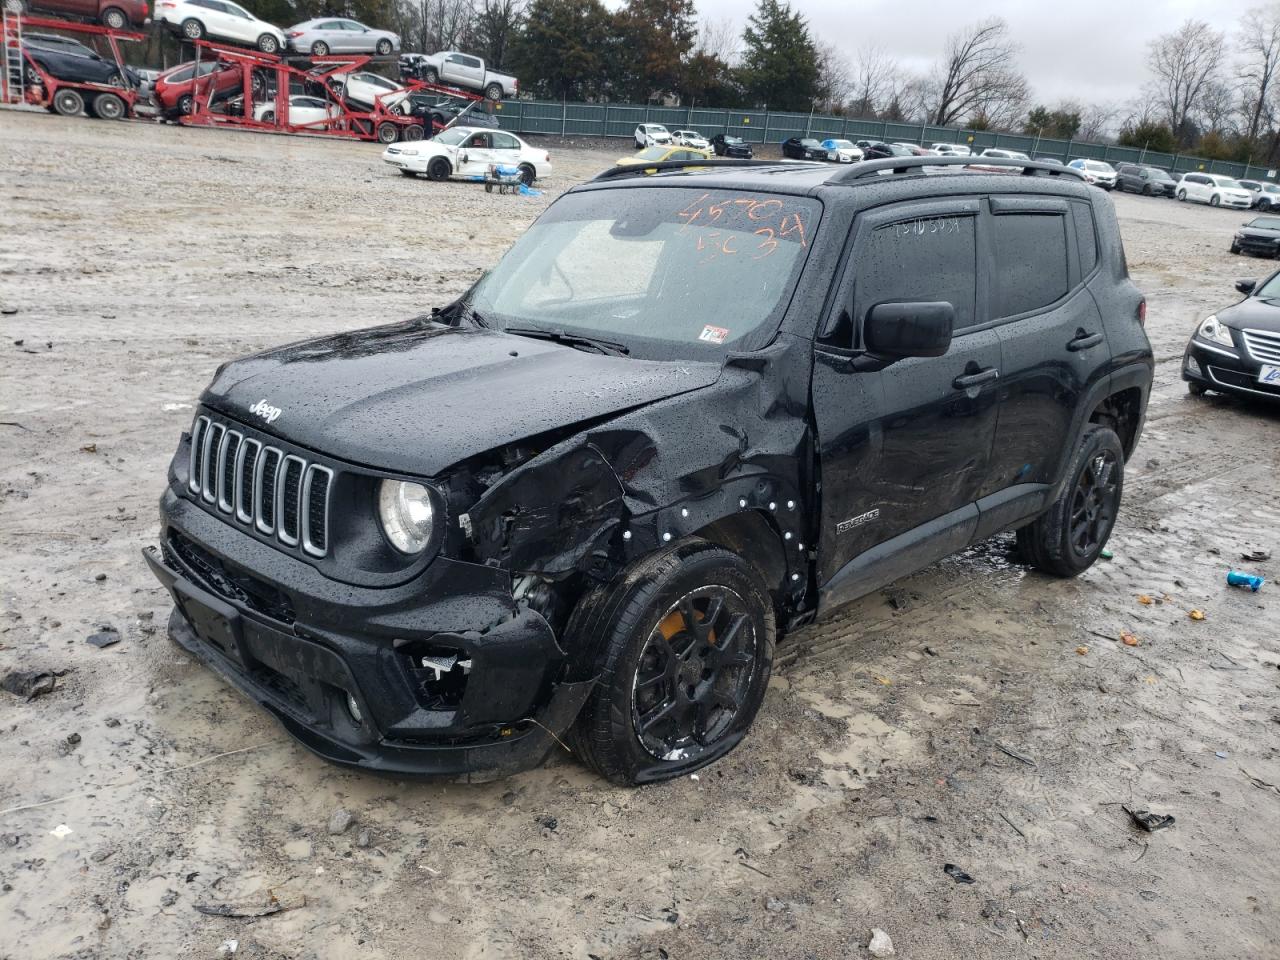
x: 266, y: 411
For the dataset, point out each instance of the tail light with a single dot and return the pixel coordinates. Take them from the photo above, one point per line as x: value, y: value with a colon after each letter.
x: 293, y: 33
x: 1142, y: 312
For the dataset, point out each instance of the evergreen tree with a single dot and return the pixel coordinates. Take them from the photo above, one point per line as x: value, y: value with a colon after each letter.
x: 656, y: 39
x: 780, y: 63
x: 562, y: 50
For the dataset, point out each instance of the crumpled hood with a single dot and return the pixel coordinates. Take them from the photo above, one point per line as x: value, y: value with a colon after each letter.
x: 416, y: 398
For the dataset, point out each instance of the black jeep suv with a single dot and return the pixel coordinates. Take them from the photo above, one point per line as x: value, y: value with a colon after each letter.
x: 685, y: 412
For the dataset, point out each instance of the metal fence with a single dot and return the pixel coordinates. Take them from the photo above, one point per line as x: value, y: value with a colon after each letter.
x: 757, y: 126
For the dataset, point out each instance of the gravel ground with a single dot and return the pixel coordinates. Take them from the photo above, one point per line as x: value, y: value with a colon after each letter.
x: 948, y: 719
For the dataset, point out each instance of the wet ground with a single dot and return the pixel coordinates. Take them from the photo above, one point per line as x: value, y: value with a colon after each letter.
x: 974, y: 714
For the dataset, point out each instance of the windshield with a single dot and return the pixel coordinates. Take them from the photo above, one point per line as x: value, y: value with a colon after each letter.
x: 1265, y: 223
x: 842, y: 144
x: 1228, y: 184
x: 1269, y: 290
x: 452, y: 137
x: 653, y: 153
x: 668, y: 273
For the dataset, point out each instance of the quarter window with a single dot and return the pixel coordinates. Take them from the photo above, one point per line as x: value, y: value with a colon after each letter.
x: 922, y: 259
x: 1031, y: 261
x: 1085, y: 236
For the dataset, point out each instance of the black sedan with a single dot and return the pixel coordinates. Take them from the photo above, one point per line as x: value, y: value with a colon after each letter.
x: 726, y: 145
x: 803, y: 148
x: 67, y: 63
x: 878, y: 150
x: 1260, y: 236
x: 1237, y: 350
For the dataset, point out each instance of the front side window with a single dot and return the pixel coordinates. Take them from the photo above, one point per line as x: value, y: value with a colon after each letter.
x: 668, y: 272
x: 925, y: 258
x: 1030, y: 261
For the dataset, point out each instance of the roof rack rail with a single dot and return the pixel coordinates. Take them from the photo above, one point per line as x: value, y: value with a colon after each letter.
x: 661, y: 165
x: 867, y: 168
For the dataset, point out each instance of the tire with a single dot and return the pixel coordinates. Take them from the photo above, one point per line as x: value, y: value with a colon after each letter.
x: 267, y: 43
x: 1234, y: 249
x: 383, y: 47
x: 431, y: 75
x: 319, y: 49
x: 388, y: 132
x: 527, y: 174
x: 1215, y: 200
x: 1146, y: 189
x: 640, y: 636
x: 269, y: 117
x: 192, y: 29
x: 412, y: 133
x: 1066, y: 539
x: 1196, y: 389
x: 114, y: 18
x: 1182, y: 195
x: 108, y: 106
x: 68, y: 102
x: 493, y: 92
x: 186, y: 104
x: 439, y: 169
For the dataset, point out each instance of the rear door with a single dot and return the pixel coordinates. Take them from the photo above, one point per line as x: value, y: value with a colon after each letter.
x: 1053, y: 347
x: 506, y: 148
x: 904, y: 449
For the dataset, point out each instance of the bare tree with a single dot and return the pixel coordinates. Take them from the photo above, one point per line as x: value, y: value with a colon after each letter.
x: 977, y: 78
x: 494, y: 28
x: 834, y: 78
x: 719, y: 39
x: 1097, y: 122
x: 876, y: 81
x: 1259, y: 46
x: 1185, y: 63
x: 442, y: 23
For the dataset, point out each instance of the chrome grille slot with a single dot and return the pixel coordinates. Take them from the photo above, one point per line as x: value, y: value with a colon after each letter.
x: 289, y: 499
x: 315, y: 510
x: 264, y: 489
x: 1263, y: 345
x: 245, y: 469
x: 209, y: 467
x: 195, y: 466
x: 227, y: 470
x: 281, y: 495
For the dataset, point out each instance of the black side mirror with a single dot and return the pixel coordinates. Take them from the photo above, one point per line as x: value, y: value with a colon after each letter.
x: 909, y: 329
x: 1246, y: 286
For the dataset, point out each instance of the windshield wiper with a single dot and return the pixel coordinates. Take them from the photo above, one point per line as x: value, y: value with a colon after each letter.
x: 575, y: 340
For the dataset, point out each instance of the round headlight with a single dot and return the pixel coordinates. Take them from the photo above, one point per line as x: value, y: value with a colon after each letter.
x: 406, y: 513
x: 1213, y: 331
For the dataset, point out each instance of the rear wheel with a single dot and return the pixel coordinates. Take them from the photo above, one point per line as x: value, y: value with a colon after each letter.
x: 527, y: 174
x: 493, y: 91
x: 682, y: 646
x: 114, y: 18
x: 388, y: 132
x: 269, y: 43
x: 108, y: 106
x: 439, y: 169
x: 192, y: 29
x: 186, y: 103
x: 68, y: 102
x: 412, y: 132
x: 1066, y: 539
x: 383, y: 47
x: 320, y: 49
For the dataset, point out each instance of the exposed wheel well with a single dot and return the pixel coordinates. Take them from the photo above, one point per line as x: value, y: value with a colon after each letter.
x: 750, y: 536
x: 1122, y: 413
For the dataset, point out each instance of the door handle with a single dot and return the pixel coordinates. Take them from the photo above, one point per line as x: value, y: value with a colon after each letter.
x: 1083, y: 341
x: 970, y: 380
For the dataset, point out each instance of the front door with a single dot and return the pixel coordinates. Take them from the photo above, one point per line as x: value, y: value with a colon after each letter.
x: 904, y: 449
x: 475, y: 155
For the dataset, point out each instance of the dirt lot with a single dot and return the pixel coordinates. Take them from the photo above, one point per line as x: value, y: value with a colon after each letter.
x: 948, y: 719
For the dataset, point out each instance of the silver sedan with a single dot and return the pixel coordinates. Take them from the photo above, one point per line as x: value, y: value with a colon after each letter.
x: 326, y: 35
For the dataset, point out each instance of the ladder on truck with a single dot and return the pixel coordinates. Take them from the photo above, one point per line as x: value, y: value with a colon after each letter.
x: 13, y: 80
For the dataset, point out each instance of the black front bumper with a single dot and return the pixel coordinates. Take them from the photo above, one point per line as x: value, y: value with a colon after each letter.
x: 319, y: 645
x: 1219, y: 371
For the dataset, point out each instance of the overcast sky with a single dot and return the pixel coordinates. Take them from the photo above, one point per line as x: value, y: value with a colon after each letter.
x: 1087, y: 50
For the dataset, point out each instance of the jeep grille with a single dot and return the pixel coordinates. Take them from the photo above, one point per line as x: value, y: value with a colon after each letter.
x: 279, y: 493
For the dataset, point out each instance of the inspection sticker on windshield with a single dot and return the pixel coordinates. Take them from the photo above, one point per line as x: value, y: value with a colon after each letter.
x: 712, y: 334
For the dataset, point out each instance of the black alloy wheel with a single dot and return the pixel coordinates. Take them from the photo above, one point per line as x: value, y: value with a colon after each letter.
x: 694, y: 674
x: 1094, y: 504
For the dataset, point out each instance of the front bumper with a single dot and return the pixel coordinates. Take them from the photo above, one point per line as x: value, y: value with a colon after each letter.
x: 1216, y: 369
x: 1258, y: 246
x: 301, y: 645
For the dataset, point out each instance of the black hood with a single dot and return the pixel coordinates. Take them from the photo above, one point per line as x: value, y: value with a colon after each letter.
x: 416, y: 398
x: 1253, y: 313
x: 1270, y: 233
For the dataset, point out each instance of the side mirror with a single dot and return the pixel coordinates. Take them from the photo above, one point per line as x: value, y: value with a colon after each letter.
x: 909, y: 329
x: 1246, y: 286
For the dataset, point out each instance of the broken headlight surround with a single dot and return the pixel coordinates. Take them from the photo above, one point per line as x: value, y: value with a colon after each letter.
x: 407, y: 512
x: 1213, y: 330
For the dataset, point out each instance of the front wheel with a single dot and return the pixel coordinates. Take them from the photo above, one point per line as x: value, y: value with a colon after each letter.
x: 1182, y: 195
x: 1069, y: 536
x: 431, y: 75
x: 681, y: 645
x: 383, y: 47
x: 1215, y: 200
x: 268, y: 43
x: 1195, y: 389
x: 439, y: 169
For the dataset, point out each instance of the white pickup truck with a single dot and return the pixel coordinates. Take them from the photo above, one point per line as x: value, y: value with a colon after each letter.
x: 463, y: 70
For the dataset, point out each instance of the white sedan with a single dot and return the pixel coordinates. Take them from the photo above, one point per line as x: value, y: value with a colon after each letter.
x: 365, y: 88
x: 842, y: 151
x: 219, y: 20
x: 467, y: 152
x: 309, y: 111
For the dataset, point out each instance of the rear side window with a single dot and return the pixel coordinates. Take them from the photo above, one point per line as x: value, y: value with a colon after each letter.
x: 923, y: 259
x: 1086, y: 237
x: 1031, y: 261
